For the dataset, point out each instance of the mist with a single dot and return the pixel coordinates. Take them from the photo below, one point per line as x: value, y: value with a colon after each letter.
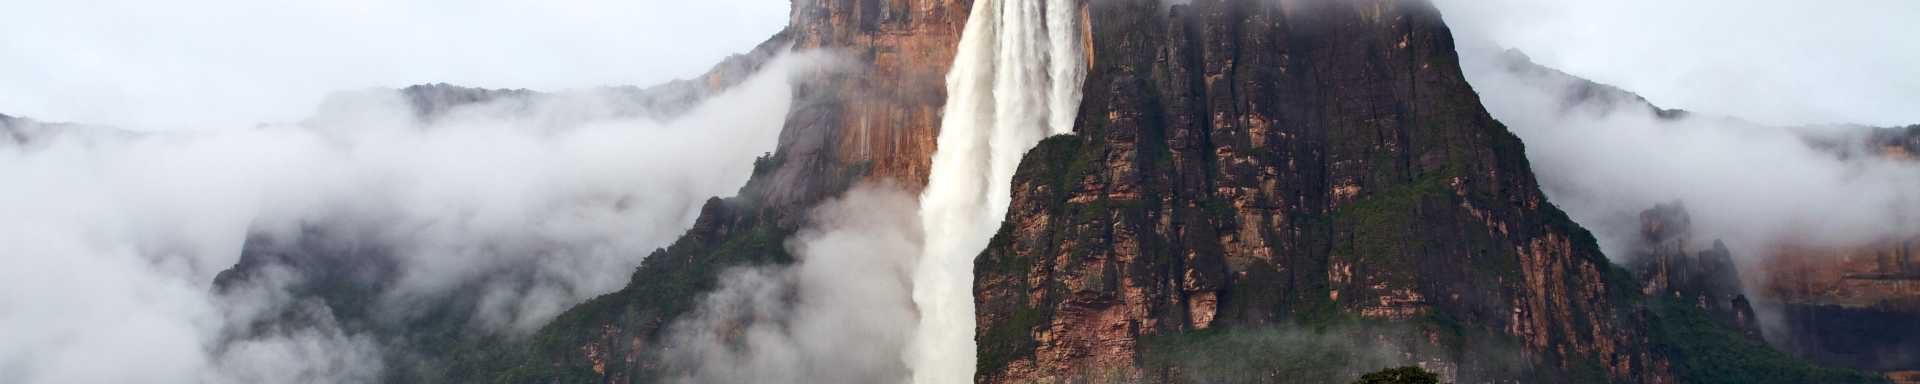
x: 843, y: 313
x: 113, y: 238
x: 1737, y: 159
x: 1604, y: 155
x: 131, y: 63
x: 1776, y: 62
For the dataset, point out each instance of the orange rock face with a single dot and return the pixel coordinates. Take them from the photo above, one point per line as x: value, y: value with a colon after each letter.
x: 1253, y: 165
x: 1904, y: 377
x: 885, y: 114
x: 1885, y: 274
x: 1857, y: 307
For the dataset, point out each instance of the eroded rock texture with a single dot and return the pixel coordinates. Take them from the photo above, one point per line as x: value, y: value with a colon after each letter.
x: 1857, y: 307
x: 1669, y: 268
x: 875, y: 119
x: 1252, y: 164
x: 1240, y: 166
x: 885, y: 112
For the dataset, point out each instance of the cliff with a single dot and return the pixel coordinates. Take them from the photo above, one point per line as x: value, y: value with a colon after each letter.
x: 1292, y: 191
x: 1850, y: 306
x: 339, y: 272
x: 876, y: 121
x: 1254, y: 170
x: 1668, y: 266
x: 1250, y: 164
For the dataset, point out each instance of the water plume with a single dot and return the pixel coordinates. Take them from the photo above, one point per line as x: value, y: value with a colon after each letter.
x: 1014, y: 81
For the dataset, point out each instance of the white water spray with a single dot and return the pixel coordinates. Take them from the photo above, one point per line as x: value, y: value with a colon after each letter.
x: 1015, y: 80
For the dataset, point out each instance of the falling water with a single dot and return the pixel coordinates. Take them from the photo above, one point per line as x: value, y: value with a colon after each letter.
x: 1014, y: 81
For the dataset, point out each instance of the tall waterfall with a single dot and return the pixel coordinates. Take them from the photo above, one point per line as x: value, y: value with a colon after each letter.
x: 1015, y: 80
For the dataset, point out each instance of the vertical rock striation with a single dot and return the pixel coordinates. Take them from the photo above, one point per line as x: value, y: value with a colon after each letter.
x: 1260, y: 164
x: 1706, y: 279
x: 875, y: 120
x: 1237, y: 166
x: 1852, y: 306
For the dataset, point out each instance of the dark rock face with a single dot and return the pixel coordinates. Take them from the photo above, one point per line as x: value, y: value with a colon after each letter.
x: 1820, y: 292
x: 1253, y: 163
x: 1707, y: 279
x: 877, y: 121
x: 1856, y: 307
x: 341, y: 279
x: 347, y: 269
x: 1239, y: 166
x: 1871, y: 338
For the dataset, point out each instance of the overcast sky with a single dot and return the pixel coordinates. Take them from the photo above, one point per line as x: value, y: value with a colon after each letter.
x: 209, y: 63
x: 1773, y: 61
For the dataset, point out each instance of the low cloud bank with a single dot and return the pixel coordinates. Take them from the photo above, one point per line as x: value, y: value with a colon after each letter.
x: 112, y: 239
x: 1604, y: 155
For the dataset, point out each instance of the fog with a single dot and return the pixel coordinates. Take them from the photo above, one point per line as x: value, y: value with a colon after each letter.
x: 1604, y: 156
x: 131, y: 63
x: 843, y: 313
x: 1779, y: 62
x: 111, y: 239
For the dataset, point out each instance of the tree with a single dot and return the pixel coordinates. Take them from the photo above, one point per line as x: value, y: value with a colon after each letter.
x: 1402, y: 375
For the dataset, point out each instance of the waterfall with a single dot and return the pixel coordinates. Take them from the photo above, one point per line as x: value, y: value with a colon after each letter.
x: 1015, y: 80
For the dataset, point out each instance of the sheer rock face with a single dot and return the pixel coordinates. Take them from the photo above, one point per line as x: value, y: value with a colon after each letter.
x: 884, y: 112
x: 1265, y: 163
x: 1885, y: 275
x: 1850, y: 306
x: 1857, y: 307
x: 875, y: 120
x: 1707, y: 279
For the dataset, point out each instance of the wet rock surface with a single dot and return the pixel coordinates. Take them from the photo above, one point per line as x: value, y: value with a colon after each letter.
x: 1252, y: 164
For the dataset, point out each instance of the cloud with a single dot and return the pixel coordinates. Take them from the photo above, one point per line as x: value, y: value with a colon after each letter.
x: 1606, y: 159
x: 842, y: 314
x: 129, y: 63
x: 1773, y: 61
x: 111, y: 239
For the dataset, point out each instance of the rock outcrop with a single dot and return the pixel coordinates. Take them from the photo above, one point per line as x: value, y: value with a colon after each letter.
x: 1856, y: 307
x: 1256, y: 170
x: 885, y: 113
x: 1241, y: 169
x: 1846, y: 306
x: 874, y: 121
x: 340, y: 273
x: 1708, y: 279
x: 1253, y: 164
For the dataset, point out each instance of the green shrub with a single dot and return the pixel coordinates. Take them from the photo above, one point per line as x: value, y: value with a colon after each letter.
x: 1402, y: 375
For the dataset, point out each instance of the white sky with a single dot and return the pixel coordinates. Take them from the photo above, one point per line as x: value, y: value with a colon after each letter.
x: 219, y: 63
x: 222, y: 63
x: 1773, y: 61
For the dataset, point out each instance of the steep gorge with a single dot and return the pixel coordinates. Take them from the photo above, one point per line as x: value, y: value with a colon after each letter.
x: 1239, y: 169
x: 1244, y: 168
